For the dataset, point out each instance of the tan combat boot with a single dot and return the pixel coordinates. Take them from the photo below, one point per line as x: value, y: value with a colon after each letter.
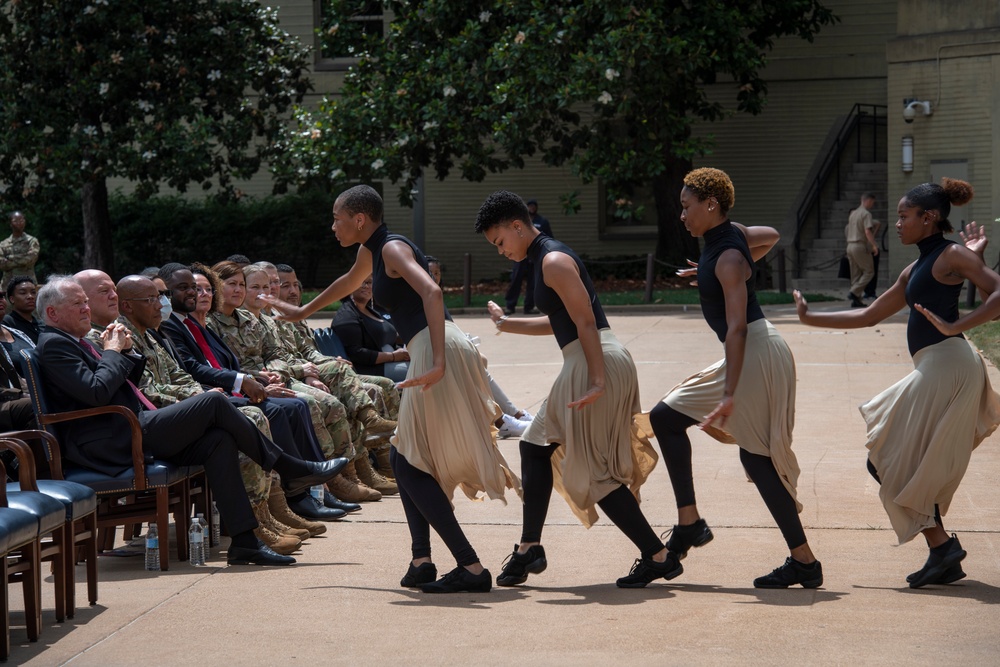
x: 275, y: 526
x: 282, y: 544
x: 384, y: 467
x: 346, y: 490
x: 369, y: 494
x: 283, y: 514
x: 374, y: 422
x: 372, y: 479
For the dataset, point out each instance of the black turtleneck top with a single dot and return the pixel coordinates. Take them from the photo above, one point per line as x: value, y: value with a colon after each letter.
x: 713, y: 299
x: 549, y: 302
x: 395, y: 295
x: 935, y: 296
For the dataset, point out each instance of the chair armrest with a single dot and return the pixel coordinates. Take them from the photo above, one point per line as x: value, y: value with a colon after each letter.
x: 44, y: 446
x: 25, y: 462
x: 138, y: 457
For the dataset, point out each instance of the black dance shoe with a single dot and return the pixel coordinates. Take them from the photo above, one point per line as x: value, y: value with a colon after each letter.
x: 424, y: 573
x: 949, y: 576
x: 682, y: 538
x: 939, y: 563
x: 460, y: 580
x: 791, y: 573
x: 517, y: 567
x: 645, y: 570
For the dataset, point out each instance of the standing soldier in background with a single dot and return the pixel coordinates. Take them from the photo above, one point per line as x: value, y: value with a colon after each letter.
x: 18, y: 252
x: 861, y: 248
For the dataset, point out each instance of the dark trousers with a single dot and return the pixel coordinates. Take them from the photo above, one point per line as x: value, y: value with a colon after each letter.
x: 291, y: 426
x: 207, y: 430
x: 870, y: 287
x: 671, y: 427
x: 620, y: 505
x: 522, y: 271
x: 425, y: 504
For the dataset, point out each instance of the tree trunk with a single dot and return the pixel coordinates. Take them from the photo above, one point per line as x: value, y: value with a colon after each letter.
x: 97, y: 250
x: 674, y: 243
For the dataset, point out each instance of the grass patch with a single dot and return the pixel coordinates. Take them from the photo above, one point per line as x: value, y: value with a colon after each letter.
x: 987, y: 338
x: 453, y: 298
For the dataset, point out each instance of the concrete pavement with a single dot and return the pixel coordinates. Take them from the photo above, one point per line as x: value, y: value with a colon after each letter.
x: 342, y: 604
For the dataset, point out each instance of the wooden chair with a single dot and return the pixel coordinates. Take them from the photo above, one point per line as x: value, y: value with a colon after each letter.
x: 19, y: 562
x: 80, y: 503
x: 152, y: 489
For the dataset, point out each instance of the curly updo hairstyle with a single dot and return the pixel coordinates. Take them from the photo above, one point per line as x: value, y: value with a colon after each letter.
x: 707, y: 182
x: 934, y: 197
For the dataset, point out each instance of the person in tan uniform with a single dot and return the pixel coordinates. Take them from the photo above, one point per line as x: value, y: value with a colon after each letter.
x: 922, y: 430
x: 18, y: 252
x: 861, y: 248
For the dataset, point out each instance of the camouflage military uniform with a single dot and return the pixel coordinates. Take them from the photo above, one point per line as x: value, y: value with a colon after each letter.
x: 164, y: 383
x: 298, y: 339
x: 17, y: 257
x: 257, y: 351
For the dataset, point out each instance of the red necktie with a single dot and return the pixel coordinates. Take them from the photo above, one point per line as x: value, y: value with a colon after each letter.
x: 135, y: 390
x: 202, y: 343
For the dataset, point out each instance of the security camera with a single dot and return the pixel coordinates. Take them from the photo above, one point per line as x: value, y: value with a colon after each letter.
x: 911, y: 107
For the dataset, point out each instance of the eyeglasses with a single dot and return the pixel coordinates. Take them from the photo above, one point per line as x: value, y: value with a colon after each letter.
x: 146, y: 299
x: 205, y: 290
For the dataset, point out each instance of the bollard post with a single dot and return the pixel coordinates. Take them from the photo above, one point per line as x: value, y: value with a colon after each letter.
x: 782, y: 287
x: 650, y: 276
x: 467, y: 280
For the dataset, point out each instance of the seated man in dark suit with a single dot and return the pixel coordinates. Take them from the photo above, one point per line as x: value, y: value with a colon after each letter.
x: 203, y: 430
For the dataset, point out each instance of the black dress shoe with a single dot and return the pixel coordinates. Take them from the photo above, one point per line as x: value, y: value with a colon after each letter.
x: 321, y: 474
x: 262, y: 555
x: 309, y: 507
x: 335, y: 503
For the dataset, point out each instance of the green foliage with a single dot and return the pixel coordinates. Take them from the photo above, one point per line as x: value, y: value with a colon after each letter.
x: 293, y: 229
x: 611, y: 90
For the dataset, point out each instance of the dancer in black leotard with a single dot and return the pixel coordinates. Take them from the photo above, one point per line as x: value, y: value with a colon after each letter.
x: 748, y: 398
x: 580, y: 440
x: 444, y: 436
x: 922, y: 430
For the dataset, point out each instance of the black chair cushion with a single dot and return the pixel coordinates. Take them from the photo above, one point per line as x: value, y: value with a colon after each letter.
x: 50, y: 512
x: 17, y: 528
x: 158, y: 473
x: 79, y: 500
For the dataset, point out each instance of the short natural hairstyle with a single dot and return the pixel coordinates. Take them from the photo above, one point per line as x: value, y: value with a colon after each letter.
x: 501, y: 208
x: 239, y: 259
x: 170, y: 268
x: 284, y: 268
x: 362, y: 199
x: 17, y: 280
x: 708, y: 182
x: 150, y: 272
x: 934, y: 197
x: 53, y: 293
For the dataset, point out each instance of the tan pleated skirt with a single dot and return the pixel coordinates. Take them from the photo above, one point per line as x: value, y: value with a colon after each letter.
x: 447, y: 431
x: 600, y: 447
x: 764, y: 404
x: 922, y: 430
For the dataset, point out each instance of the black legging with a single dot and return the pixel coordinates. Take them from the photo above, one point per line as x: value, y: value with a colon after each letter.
x: 425, y: 504
x: 874, y: 473
x: 671, y: 427
x: 620, y: 505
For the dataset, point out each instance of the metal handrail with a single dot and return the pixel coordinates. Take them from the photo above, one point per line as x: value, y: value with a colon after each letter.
x: 859, y: 114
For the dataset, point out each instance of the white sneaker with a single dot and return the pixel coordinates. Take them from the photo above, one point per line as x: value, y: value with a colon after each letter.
x: 512, y: 427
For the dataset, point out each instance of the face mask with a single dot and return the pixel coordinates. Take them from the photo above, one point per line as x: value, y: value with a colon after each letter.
x: 165, y: 307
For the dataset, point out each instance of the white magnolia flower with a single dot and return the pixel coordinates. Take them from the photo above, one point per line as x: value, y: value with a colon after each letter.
x: 430, y: 125
x: 144, y: 105
x: 89, y: 9
x: 484, y: 17
x: 148, y: 155
x: 90, y: 131
x: 218, y: 30
x: 315, y: 133
x: 214, y: 75
x: 520, y: 37
x: 170, y: 39
x: 449, y: 91
x: 336, y: 173
x: 104, y: 88
x: 402, y: 141
x: 611, y: 74
x: 605, y: 97
x: 377, y: 164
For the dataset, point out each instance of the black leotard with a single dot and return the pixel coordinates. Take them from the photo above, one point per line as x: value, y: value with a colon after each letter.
x: 395, y: 294
x: 713, y: 299
x: 935, y: 296
x: 549, y: 302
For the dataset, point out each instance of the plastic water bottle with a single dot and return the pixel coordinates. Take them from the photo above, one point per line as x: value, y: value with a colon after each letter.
x: 205, y: 539
x: 216, y: 526
x: 196, y: 544
x: 318, y: 493
x: 152, y: 549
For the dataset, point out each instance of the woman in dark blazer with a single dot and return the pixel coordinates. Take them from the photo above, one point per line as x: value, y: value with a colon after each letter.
x: 371, y: 341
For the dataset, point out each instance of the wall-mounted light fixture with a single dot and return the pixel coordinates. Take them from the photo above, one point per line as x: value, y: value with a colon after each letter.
x: 907, y: 154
